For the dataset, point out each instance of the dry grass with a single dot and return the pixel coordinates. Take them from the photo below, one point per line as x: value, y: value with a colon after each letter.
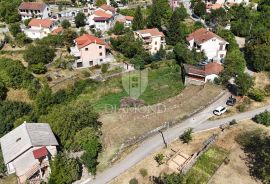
x: 122, y: 125
x: 9, y: 180
x: 261, y: 80
x: 20, y: 95
x: 235, y: 172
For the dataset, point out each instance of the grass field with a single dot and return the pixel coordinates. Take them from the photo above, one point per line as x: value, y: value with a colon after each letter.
x: 163, y: 83
x: 206, y: 166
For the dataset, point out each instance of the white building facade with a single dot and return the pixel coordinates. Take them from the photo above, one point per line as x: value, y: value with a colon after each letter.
x: 213, y: 46
x: 28, y: 10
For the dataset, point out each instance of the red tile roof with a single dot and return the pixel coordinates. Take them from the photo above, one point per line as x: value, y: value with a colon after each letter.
x: 210, y: 68
x: 41, y: 152
x: 101, y: 13
x: 202, y: 35
x: 107, y: 8
x: 87, y: 39
x: 57, y: 31
x: 41, y: 22
x: 213, y: 6
x: 130, y: 18
x: 153, y: 32
x: 32, y: 6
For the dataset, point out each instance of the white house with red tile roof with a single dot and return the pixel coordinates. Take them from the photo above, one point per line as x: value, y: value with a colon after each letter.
x: 40, y: 28
x: 101, y: 20
x: 213, y: 46
x: 29, y: 10
x: 89, y: 51
x: 201, y: 74
x: 107, y: 9
x: 152, y: 39
x: 27, y: 151
x: 222, y: 2
x: 126, y: 20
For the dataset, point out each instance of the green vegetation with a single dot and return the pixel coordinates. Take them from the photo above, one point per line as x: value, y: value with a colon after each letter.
x: 143, y: 172
x: 133, y: 181
x: 257, y: 145
x: 263, y: 118
x: 186, y: 137
x: 174, y: 178
x: 206, y: 166
x: 159, y: 158
x: 138, y: 22
x: 80, y: 20
x: 65, y: 24
x: 256, y: 94
x: 118, y: 28
x: 9, y: 11
x: 64, y: 169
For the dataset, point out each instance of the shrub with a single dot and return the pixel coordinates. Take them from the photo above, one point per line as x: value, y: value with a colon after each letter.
x: 244, y: 105
x: 233, y: 122
x: 256, y: 94
x: 86, y: 73
x: 133, y: 181
x: 3, y: 91
x: 159, y: 158
x: 267, y: 90
x: 186, y: 137
x: 104, y: 68
x: 38, y: 68
x: 143, y: 172
x: 263, y: 118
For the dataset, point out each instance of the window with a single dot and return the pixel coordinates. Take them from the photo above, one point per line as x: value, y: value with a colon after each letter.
x: 220, y: 47
x: 100, y: 54
x: 86, y: 49
x: 101, y: 60
x: 155, y: 48
x: 17, y: 140
x: 156, y: 43
x: 90, y: 63
x: 79, y: 64
x: 221, y: 55
x: 100, y: 47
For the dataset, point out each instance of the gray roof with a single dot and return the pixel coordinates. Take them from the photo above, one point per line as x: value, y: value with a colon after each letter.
x: 24, y: 137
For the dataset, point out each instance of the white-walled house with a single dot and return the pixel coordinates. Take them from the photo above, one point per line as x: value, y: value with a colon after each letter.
x: 213, y: 46
x: 101, y: 20
x: 107, y: 9
x: 226, y: 1
x: 29, y: 10
x: 89, y: 51
x: 27, y: 151
x: 152, y: 39
x: 126, y: 20
x: 40, y: 28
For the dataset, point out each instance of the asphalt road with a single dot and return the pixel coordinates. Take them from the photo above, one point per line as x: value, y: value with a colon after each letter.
x: 198, y: 122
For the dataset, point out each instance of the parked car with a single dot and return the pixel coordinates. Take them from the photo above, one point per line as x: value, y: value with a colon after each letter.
x: 220, y: 110
x: 231, y: 101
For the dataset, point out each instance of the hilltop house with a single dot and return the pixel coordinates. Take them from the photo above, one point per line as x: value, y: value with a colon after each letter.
x: 126, y: 20
x: 199, y: 75
x: 152, y: 39
x: 107, y: 9
x: 29, y: 10
x: 27, y: 151
x: 40, y: 28
x: 89, y: 51
x: 213, y: 46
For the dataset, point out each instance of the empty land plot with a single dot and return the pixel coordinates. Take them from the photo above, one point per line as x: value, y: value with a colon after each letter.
x: 123, y: 125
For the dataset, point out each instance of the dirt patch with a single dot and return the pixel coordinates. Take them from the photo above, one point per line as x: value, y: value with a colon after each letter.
x: 20, y: 95
x: 126, y: 124
x: 261, y: 80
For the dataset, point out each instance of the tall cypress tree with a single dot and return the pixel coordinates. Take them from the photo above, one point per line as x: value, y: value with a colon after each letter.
x: 138, y: 22
x: 154, y: 19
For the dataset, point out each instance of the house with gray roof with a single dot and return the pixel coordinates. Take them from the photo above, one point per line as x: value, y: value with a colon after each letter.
x: 27, y: 151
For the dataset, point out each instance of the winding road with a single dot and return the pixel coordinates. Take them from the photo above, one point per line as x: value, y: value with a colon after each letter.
x: 199, y: 122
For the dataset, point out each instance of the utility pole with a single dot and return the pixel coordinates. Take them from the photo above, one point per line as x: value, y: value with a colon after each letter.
x: 163, y: 139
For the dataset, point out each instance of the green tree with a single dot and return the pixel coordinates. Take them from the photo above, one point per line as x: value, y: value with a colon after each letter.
x: 186, y: 137
x: 43, y: 100
x: 177, y: 30
x: 15, y: 29
x: 154, y: 19
x: 35, y: 54
x: 243, y: 82
x: 21, y: 39
x: 80, y: 20
x: 100, y: 2
x: 184, y: 55
x: 9, y: 11
x: 218, y: 17
x: 138, y: 22
x: 3, y: 91
x: 64, y: 170
x: 65, y: 24
x: 200, y: 8
x: 263, y: 118
x: 67, y: 120
x: 118, y: 28
x: 133, y: 181
x: 68, y: 37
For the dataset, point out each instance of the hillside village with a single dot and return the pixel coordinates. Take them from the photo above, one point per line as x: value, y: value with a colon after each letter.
x: 138, y: 92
